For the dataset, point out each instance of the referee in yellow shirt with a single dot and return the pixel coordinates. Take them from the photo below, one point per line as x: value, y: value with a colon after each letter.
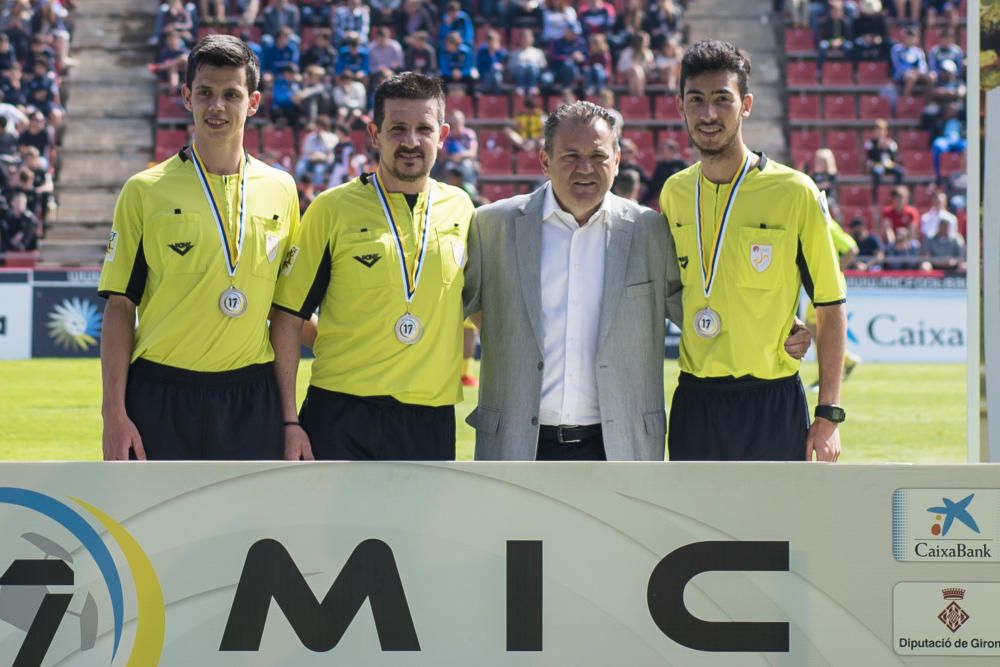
x: 750, y: 233
x: 195, y: 248
x: 382, y: 258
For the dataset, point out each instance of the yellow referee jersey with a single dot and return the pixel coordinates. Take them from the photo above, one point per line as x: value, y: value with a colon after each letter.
x: 166, y: 255
x: 345, y: 261
x: 775, y: 242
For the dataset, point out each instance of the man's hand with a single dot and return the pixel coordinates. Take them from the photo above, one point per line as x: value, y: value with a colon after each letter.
x: 119, y: 436
x: 798, y: 341
x: 297, y: 445
x: 823, y: 441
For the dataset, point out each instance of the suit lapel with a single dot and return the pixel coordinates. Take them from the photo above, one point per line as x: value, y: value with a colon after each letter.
x: 528, y: 241
x: 615, y: 265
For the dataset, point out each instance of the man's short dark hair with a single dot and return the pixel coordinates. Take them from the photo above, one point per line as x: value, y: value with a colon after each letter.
x: 712, y: 55
x: 579, y: 112
x: 223, y: 51
x: 407, y: 86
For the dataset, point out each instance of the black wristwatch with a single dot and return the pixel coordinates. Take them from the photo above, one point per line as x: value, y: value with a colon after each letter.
x: 833, y: 413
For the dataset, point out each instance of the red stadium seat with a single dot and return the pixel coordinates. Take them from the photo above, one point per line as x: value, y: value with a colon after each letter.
x: 665, y: 107
x: 952, y: 163
x: 914, y: 140
x: 360, y: 140
x: 461, y: 103
x: 492, y: 138
x: 251, y: 140
x: 646, y: 158
x: 800, y: 73
x: 802, y: 159
x: 279, y: 142
x: 803, y: 107
x: 884, y: 195
x: 493, y: 107
x: 839, y: 107
x: 871, y: 107
x: 679, y: 136
x: 643, y: 139
x: 495, y: 161
x: 838, y: 73
x: 921, y: 195
x: 799, y: 39
x: 848, y: 162
x: 308, y: 34
x: 170, y: 109
x: 804, y: 139
x: 842, y: 140
x: 873, y: 73
x: 909, y: 107
x: 855, y: 195
x: 849, y: 213
x: 917, y: 163
x: 634, y: 107
x: 497, y: 191
x: 168, y: 142
x: 527, y: 163
x: 932, y: 35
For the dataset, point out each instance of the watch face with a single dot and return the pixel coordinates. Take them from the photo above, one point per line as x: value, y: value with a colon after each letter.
x: 834, y: 413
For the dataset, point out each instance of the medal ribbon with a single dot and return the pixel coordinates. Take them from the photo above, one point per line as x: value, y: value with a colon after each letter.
x: 411, y: 275
x: 232, y: 248
x: 709, y: 272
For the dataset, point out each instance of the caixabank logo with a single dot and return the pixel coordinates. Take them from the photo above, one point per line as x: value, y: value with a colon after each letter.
x: 38, y: 597
x: 946, y: 525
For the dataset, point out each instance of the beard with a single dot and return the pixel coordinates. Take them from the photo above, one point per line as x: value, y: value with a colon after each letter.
x: 416, y: 174
x: 706, y: 151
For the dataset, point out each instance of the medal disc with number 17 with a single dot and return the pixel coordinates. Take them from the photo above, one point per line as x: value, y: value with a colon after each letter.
x: 233, y: 302
x: 707, y: 323
x: 409, y: 329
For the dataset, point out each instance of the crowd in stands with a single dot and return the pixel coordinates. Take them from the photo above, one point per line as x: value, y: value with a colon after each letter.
x: 321, y: 61
x: 890, y: 72
x: 34, y: 46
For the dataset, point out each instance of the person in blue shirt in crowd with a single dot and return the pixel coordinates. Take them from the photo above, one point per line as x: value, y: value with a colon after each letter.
x: 456, y: 20
x: 353, y: 57
x: 566, y: 56
x: 284, y: 51
x: 491, y: 60
x: 456, y: 61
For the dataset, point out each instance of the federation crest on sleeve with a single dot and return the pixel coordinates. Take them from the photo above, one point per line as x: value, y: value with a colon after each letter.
x: 109, y: 249
x: 289, y: 261
x: 824, y: 206
x: 760, y: 257
x: 458, y: 251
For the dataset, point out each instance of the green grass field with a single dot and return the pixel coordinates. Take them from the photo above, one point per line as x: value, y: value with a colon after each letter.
x: 50, y: 410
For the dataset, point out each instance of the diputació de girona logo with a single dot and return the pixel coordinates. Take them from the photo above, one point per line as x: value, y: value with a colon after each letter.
x: 37, y: 575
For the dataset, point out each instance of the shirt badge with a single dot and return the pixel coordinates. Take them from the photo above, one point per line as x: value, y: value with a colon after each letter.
x: 271, y: 242
x: 111, y: 247
x: 760, y: 257
x: 289, y: 261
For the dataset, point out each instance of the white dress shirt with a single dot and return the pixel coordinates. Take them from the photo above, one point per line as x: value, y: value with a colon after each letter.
x: 572, y: 288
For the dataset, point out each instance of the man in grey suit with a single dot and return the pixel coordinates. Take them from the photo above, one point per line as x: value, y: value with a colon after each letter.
x: 573, y: 284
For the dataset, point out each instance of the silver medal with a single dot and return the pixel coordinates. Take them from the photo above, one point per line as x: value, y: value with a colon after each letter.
x: 233, y: 302
x: 707, y: 323
x: 408, y: 329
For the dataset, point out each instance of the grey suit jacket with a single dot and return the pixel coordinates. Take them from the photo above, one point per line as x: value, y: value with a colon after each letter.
x: 641, y: 288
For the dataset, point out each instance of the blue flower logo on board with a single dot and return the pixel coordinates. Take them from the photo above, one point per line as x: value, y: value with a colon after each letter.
x: 75, y: 324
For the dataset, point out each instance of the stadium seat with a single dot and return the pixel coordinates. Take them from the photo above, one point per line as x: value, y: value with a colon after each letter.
x: 871, y: 107
x: 170, y: 109
x: 495, y: 161
x: 665, y: 107
x: 804, y: 139
x: 951, y: 163
x: 251, y: 140
x: 848, y: 162
x: 634, y: 107
x: 20, y: 259
x: 461, y: 103
x: 884, y: 195
x: 921, y: 195
x: 497, y: 191
x: 803, y: 107
x: 849, y: 213
x: 842, y: 140
x: 493, y: 107
x: 168, y: 142
x: 679, y: 136
x: 799, y: 39
x: 516, y: 103
x: 646, y: 158
x: 917, y: 163
x: 838, y: 73
x: 932, y: 34
x: 279, y: 142
x: 914, y: 140
x: 360, y: 140
x: 800, y: 73
x: 643, y: 138
x: 839, y: 107
x: 802, y: 159
x: 873, y: 73
x: 527, y: 163
x: 855, y: 195
x: 308, y: 34
x: 493, y: 138
x: 910, y: 107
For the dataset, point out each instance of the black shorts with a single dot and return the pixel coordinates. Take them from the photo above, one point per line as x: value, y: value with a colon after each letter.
x: 188, y: 415
x: 738, y: 419
x: 344, y: 427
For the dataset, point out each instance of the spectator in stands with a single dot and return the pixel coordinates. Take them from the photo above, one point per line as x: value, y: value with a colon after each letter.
x: 871, y: 35
x: 880, y: 156
x: 669, y: 161
x: 385, y: 55
x: 945, y: 249
x: 16, y: 119
x: 420, y: 56
x: 461, y: 147
x: 317, y: 151
x: 946, y: 50
x: 457, y: 62
x: 456, y: 20
x: 598, y: 66
x: 171, y: 61
x: 351, y: 19
x: 527, y: 63
x: 662, y: 20
x: 284, y: 109
x: 38, y: 185
x: 8, y: 139
x: 350, y: 97
x: 526, y: 14
x: 870, y: 250
x: 936, y: 214
x: 491, y: 60
x: 932, y: 9
x: 12, y: 87
x: 212, y: 12
x: 903, y: 251
x: 247, y: 38
x: 529, y: 124
x: 627, y: 185
x: 307, y: 191
x: 281, y: 16
x: 636, y: 62
x: 383, y: 12
x: 824, y: 173
x: 900, y: 215
x: 415, y: 16
x: 280, y: 53
x: 321, y: 52
x: 43, y: 93
x: 248, y: 12
x: 353, y: 58
x: 567, y: 56
x: 668, y: 62
x: 597, y: 16
x: 173, y: 15
x: 21, y: 228
x: 39, y: 49
x: 627, y: 24
x: 8, y: 58
x: 630, y: 162
x: 343, y: 157
x: 606, y: 98
x: 315, y: 97
x: 834, y: 36
x: 48, y: 25
x: 909, y: 62
x: 555, y: 17
x: 949, y: 139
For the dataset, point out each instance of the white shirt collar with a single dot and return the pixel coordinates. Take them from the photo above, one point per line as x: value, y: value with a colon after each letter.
x: 550, y: 208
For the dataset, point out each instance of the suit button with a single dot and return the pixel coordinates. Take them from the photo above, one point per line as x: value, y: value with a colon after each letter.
x: 534, y: 421
x: 541, y: 365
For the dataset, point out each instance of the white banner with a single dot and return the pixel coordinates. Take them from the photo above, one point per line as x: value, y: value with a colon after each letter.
x: 15, y: 316
x: 693, y: 564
